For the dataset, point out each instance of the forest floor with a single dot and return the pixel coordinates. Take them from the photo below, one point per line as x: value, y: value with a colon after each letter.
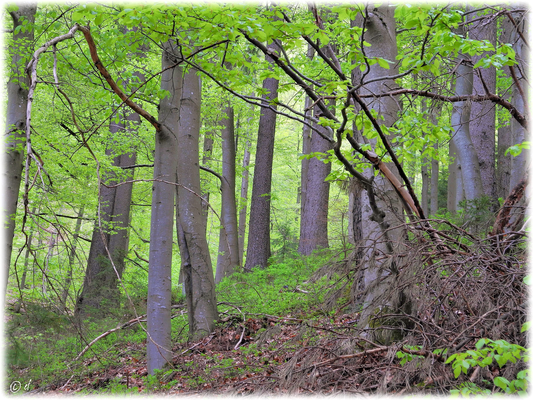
x: 261, y: 355
x: 291, y: 329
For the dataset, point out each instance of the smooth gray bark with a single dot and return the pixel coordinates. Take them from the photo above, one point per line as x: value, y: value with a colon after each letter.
x: 451, y: 204
x: 206, y: 158
x: 434, y: 192
x: 505, y: 132
x: 162, y: 217
x: 14, y: 138
x: 315, y: 204
x: 244, y: 199
x: 258, y: 250
x: 483, y: 114
x: 460, y: 121
x: 72, y: 257
x: 198, y: 277
x: 228, y: 243
x: 425, y: 187
x: 520, y: 163
x: 380, y: 237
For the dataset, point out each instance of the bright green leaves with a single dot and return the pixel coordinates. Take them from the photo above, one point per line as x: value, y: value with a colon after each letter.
x: 487, y: 351
x: 516, y: 149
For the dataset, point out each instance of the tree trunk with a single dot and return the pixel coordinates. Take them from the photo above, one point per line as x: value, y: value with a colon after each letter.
x: 198, y: 278
x: 434, y: 196
x: 314, y: 218
x: 505, y: 132
x: 258, y: 250
x: 425, y: 187
x: 206, y: 158
x: 161, y: 226
x: 14, y: 137
x: 99, y: 272
x: 72, y: 258
x: 110, y: 234
x: 471, y: 177
x: 483, y: 114
x: 453, y: 162
x: 382, y: 209
x: 244, y: 199
x: 306, y: 143
x: 228, y: 244
x: 519, y: 164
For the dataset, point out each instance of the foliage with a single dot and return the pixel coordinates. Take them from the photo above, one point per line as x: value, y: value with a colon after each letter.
x: 276, y: 290
x: 487, y: 353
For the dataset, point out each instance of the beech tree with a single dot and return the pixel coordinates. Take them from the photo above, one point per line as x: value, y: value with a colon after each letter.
x: 258, y: 250
x: 228, y: 243
x: 21, y: 46
x: 198, y: 272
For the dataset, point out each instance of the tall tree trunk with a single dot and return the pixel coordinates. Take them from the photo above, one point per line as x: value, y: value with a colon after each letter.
x: 14, y: 137
x: 198, y: 278
x: 519, y: 164
x: 483, y: 114
x: 314, y: 218
x: 471, y: 176
x: 161, y: 226
x: 102, y: 273
x: 306, y: 143
x: 206, y: 158
x: 505, y: 132
x: 306, y: 149
x: 99, y: 272
x: 244, y: 199
x: 425, y: 187
x: 228, y: 243
x: 453, y: 172
x: 258, y: 250
x: 434, y: 192
x: 72, y: 257
x: 379, y: 235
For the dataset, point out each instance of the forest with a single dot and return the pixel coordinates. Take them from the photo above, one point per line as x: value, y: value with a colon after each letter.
x: 266, y: 198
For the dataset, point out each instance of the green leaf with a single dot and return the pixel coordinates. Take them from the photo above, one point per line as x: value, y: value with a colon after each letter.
x: 383, y: 63
x: 451, y: 358
x: 486, y: 361
x: 501, y: 382
x: 99, y: 18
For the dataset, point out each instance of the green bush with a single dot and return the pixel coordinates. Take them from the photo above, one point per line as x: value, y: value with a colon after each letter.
x: 487, y: 352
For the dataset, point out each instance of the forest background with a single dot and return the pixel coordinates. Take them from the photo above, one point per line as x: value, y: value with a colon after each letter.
x: 329, y: 154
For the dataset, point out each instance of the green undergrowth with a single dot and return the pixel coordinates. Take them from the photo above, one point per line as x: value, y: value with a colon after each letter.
x: 279, y: 289
x: 43, y: 343
x: 41, y: 354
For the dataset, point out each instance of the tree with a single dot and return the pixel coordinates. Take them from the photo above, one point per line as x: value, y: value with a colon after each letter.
x: 21, y: 47
x: 315, y: 198
x: 471, y: 177
x: 161, y: 226
x: 315, y: 202
x: 198, y: 273
x: 519, y: 163
x: 258, y: 250
x: 228, y: 243
x: 483, y: 114
x: 380, y: 232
